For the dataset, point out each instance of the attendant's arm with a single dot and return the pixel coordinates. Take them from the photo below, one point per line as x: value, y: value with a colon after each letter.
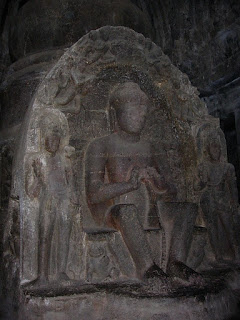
x: 201, y: 178
x: 33, y: 178
x: 97, y: 190
x: 74, y: 198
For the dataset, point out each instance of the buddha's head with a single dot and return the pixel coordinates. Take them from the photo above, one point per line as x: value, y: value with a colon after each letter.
x: 130, y: 104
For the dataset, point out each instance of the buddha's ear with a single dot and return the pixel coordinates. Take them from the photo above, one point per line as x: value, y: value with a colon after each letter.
x: 112, y: 119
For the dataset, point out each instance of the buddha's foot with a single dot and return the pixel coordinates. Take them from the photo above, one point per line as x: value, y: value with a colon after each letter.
x: 185, y: 275
x: 38, y: 282
x: 155, y: 272
x: 63, y: 277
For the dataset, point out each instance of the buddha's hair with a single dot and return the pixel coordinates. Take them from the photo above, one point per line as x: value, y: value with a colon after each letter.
x: 126, y: 92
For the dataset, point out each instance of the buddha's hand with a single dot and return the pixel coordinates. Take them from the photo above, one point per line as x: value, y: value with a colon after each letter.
x: 149, y: 174
x: 152, y: 173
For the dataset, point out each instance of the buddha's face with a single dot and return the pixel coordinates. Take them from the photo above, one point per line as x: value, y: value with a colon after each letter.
x: 52, y: 143
x: 131, y: 115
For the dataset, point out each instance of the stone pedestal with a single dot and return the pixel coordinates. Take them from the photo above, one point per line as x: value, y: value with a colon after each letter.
x: 107, y: 302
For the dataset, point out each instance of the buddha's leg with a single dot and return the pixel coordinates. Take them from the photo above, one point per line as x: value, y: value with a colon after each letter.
x: 183, y: 217
x: 125, y: 219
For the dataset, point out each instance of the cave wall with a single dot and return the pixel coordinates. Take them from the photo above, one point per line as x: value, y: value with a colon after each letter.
x: 202, y: 38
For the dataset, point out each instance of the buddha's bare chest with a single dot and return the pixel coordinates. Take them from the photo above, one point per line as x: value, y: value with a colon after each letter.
x: 122, y: 159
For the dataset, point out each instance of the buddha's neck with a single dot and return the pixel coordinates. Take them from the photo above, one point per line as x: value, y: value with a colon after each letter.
x: 131, y: 137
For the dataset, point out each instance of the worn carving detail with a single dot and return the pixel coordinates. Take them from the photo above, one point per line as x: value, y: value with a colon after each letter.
x: 50, y: 188
x: 117, y: 191
x: 219, y: 198
x: 122, y: 177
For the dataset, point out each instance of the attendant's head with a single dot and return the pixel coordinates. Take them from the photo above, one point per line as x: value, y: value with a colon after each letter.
x: 214, y: 148
x: 52, y: 141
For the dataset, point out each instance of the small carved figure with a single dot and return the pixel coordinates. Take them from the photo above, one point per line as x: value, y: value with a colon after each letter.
x: 123, y: 180
x: 219, y: 200
x: 100, y: 266
x: 50, y: 179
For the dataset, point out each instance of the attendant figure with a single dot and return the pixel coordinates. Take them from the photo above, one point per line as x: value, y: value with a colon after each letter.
x: 50, y: 180
x: 219, y: 200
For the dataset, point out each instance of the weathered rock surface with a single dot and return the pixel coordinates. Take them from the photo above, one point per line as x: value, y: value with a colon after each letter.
x: 48, y: 24
x: 201, y: 38
x: 72, y: 111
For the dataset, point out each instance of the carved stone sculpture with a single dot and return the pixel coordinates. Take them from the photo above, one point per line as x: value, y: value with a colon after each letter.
x: 121, y: 176
x: 219, y: 200
x: 49, y: 179
x: 124, y: 184
x: 106, y: 230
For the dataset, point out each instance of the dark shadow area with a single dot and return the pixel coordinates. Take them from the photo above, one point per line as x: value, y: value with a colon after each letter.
x: 229, y: 128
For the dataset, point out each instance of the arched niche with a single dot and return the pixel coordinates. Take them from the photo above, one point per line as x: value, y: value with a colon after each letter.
x: 74, y: 97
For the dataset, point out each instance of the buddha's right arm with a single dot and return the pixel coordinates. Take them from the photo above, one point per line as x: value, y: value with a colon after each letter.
x: 97, y: 189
